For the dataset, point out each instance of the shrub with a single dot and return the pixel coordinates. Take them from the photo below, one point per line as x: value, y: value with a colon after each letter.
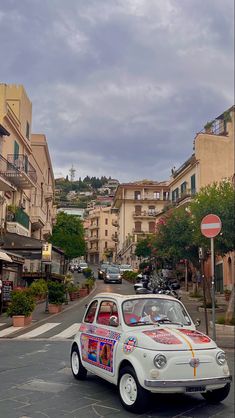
x: 38, y: 288
x: 90, y: 282
x: 88, y: 272
x: 196, y: 295
x: 71, y: 287
x: 22, y: 303
x: 221, y: 320
x: 130, y: 276
x: 56, y: 293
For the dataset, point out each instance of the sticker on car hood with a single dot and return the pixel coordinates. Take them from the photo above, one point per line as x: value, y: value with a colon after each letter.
x: 196, y: 336
x: 163, y: 336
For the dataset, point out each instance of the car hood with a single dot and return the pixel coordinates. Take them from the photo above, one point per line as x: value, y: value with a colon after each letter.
x: 168, y: 338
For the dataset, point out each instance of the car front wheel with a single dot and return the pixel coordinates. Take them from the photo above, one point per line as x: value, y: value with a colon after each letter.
x: 133, y: 397
x: 217, y: 395
x: 78, y: 370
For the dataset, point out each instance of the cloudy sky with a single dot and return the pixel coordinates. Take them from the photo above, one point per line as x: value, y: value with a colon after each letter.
x: 120, y: 87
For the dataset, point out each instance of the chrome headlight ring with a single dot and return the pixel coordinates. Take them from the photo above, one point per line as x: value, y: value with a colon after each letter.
x: 160, y: 361
x: 221, y: 358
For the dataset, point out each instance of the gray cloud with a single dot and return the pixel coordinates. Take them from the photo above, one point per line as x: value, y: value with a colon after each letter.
x: 120, y: 87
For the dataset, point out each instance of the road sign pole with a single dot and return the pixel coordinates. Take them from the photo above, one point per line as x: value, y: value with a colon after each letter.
x: 213, y: 288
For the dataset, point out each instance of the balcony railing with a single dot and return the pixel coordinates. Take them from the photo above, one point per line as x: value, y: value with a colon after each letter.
x: 115, y: 223
x: 145, y: 213
x: 20, y: 171
x: 5, y: 183
x: 38, y: 217
x: 19, y: 217
x: 114, y: 237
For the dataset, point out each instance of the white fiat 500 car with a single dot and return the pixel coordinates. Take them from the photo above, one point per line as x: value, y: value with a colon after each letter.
x: 148, y: 343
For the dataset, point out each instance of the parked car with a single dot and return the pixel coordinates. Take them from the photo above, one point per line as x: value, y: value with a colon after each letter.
x: 101, y: 270
x: 82, y: 266
x: 146, y: 344
x: 125, y: 267
x: 112, y: 274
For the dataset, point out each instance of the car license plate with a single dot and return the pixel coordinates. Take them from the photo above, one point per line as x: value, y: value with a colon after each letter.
x: 191, y: 389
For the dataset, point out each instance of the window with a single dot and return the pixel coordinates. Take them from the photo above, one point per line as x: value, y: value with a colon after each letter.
x: 183, y: 188
x: 138, y: 210
x: 107, y: 310
x: 137, y: 226
x: 151, y: 227
x: 106, y: 233
x: 151, y: 210
x: 137, y: 195
x: 156, y: 195
x: 165, y: 195
x: 105, y: 245
x: 27, y: 130
x: 90, y: 315
x: 106, y: 221
x: 175, y: 194
x: 193, y: 184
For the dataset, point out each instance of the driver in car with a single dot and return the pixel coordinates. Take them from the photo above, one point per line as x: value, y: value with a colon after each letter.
x: 152, y: 313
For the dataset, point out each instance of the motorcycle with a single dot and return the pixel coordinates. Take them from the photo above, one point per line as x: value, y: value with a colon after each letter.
x: 156, y: 284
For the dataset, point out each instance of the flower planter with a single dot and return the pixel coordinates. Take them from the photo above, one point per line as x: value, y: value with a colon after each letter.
x: 21, y: 320
x: 53, y: 309
x: 83, y: 292
x: 74, y: 295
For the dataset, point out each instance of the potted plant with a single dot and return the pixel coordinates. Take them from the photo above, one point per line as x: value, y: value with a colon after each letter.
x: 73, y: 291
x: 87, y: 272
x: 38, y: 289
x: 208, y: 127
x: 89, y: 283
x: 56, y: 296
x: 21, y: 307
x: 83, y: 291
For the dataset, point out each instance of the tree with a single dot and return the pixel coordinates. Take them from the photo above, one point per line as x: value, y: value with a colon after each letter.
x: 143, y: 248
x: 218, y: 199
x: 68, y: 234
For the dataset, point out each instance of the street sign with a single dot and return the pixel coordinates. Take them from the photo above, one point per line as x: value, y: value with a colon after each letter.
x: 211, y: 226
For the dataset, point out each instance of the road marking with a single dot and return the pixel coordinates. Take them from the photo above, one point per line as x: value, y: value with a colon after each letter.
x: 68, y: 332
x: 38, y: 330
x: 8, y: 331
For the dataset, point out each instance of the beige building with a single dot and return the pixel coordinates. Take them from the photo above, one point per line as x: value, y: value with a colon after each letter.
x: 26, y: 175
x: 42, y: 209
x: 213, y: 161
x: 137, y: 204
x: 101, y: 235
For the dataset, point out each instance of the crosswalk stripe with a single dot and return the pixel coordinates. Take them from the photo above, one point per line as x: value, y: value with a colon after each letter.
x: 1, y: 324
x: 8, y: 331
x: 37, y: 331
x: 68, y: 332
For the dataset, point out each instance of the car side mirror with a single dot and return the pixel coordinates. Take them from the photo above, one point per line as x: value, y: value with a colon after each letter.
x: 86, y: 306
x: 113, y: 321
x: 197, y: 323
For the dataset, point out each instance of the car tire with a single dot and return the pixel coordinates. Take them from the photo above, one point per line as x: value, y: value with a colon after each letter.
x: 77, y: 368
x: 133, y: 397
x: 217, y: 395
x: 120, y: 282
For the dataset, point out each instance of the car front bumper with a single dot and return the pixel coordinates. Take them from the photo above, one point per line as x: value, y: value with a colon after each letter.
x: 188, y: 383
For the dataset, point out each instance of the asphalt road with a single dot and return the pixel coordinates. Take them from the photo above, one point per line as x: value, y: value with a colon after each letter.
x: 36, y: 381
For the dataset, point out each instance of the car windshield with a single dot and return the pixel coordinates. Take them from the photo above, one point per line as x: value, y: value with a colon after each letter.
x: 113, y: 270
x: 145, y: 311
x: 104, y: 266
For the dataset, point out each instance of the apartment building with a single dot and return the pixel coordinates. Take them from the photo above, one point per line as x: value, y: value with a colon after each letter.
x: 137, y: 205
x: 213, y: 160
x: 42, y: 208
x: 102, y: 235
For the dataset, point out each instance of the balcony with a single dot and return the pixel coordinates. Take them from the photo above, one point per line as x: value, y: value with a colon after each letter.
x: 20, y: 171
x: 145, y: 214
x: 37, y: 217
x: 94, y: 226
x: 115, y: 223
x: 18, y: 222
x: 5, y: 184
x: 94, y: 238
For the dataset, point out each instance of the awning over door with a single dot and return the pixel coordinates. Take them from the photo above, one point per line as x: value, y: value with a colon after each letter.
x: 5, y: 257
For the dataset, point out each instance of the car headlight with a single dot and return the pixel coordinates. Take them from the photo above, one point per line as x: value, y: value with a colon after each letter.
x: 119, y: 276
x: 108, y: 276
x: 159, y: 361
x: 221, y: 358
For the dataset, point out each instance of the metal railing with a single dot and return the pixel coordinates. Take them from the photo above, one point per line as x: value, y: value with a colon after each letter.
x: 20, y: 217
x: 21, y: 163
x: 6, y: 166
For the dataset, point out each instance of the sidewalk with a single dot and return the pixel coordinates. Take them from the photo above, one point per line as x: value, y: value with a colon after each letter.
x: 224, y: 340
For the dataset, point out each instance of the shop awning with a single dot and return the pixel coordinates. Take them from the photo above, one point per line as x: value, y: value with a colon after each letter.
x: 5, y: 257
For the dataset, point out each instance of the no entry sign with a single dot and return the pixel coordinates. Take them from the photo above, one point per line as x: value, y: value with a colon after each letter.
x: 211, y: 226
